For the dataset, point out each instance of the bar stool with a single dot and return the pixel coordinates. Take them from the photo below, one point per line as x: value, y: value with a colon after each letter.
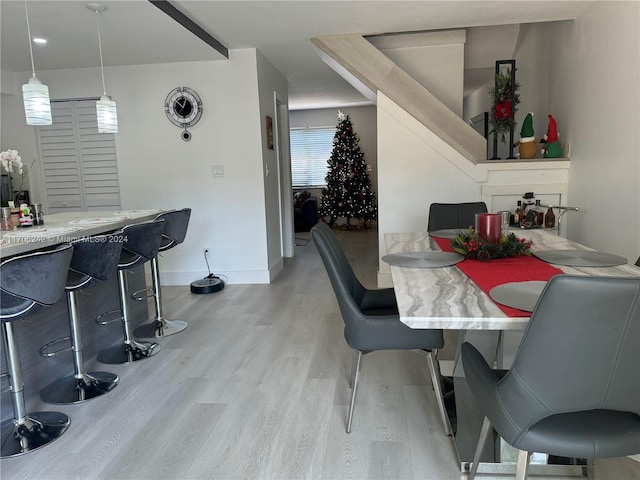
x: 27, y: 283
x: 175, y: 229
x: 95, y: 259
x: 141, y: 242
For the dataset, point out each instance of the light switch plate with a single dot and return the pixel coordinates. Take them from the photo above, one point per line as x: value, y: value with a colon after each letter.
x: 217, y: 171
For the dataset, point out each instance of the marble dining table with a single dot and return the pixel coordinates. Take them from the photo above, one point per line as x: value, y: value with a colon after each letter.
x: 446, y: 298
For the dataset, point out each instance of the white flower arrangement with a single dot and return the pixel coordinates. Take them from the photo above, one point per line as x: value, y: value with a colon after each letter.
x: 11, y: 163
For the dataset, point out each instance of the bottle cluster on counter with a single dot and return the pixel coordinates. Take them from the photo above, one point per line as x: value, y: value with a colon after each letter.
x: 530, y: 214
x: 23, y: 217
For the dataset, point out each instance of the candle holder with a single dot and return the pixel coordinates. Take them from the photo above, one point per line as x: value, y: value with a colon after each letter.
x: 489, y: 227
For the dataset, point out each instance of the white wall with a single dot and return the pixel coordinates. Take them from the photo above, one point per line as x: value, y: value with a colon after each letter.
x: 601, y: 53
x: 269, y: 81
x: 413, y: 174
x: 159, y: 170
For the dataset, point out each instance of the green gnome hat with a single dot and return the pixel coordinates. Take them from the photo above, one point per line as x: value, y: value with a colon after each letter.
x: 526, y: 132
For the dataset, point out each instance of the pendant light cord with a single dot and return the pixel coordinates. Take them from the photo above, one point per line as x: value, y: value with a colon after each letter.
x: 26, y: 12
x: 104, y: 88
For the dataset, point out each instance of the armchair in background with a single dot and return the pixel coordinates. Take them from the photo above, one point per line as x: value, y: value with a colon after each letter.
x: 305, y: 211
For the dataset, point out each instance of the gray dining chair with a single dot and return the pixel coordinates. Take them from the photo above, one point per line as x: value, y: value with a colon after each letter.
x: 574, y: 389
x: 371, y: 319
x: 454, y: 215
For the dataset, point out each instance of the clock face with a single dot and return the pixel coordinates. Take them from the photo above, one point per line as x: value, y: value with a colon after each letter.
x: 183, y: 107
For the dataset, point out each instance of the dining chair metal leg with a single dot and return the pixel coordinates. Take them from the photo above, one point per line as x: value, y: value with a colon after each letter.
x: 523, y: 464
x: 434, y: 371
x: 482, y: 440
x: 354, y: 389
x: 354, y: 362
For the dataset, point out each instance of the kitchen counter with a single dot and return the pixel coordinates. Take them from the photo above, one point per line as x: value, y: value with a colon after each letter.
x: 66, y: 227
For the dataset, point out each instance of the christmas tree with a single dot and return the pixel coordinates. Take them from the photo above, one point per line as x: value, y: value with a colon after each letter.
x: 348, y: 192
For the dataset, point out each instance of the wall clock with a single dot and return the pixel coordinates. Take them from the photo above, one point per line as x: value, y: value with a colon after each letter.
x: 183, y: 107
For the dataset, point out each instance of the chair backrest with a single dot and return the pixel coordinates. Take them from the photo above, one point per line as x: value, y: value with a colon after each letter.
x: 97, y: 256
x: 579, y: 351
x: 454, y: 215
x: 143, y: 239
x: 346, y: 286
x: 176, y: 223
x: 39, y: 277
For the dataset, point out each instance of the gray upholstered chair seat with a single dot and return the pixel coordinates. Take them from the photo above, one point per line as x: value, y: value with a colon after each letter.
x: 76, y: 280
x: 588, y: 434
x: 14, y: 308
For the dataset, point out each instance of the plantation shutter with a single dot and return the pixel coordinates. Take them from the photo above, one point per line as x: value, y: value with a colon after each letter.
x: 79, y: 167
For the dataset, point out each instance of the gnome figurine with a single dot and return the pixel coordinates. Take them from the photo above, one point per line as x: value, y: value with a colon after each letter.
x: 552, y: 147
x: 527, y: 143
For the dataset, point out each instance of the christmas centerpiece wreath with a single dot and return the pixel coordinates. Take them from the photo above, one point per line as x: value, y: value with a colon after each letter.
x: 471, y: 245
x: 505, y: 100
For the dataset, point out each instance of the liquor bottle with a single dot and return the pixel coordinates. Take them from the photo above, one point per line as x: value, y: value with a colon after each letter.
x: 518, y: 216
x: 539, y: 214
x: 549, y: 219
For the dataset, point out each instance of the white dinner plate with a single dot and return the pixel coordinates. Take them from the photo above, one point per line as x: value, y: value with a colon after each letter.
x: 580, y: 258
x: 520, y: 295
x: 423, y: 259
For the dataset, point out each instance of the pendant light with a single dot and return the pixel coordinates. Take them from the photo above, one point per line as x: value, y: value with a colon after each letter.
x: 105, y: 107
x: 35, y: 95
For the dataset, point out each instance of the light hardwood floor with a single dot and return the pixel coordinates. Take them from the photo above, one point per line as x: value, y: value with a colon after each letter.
x: 256, y: 388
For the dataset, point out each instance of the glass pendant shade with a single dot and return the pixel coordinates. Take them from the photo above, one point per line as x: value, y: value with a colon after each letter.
x: 107, y: 115
x: 37, y: 108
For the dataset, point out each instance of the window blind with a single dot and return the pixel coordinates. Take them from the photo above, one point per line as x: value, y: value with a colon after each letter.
x: 310, y: 150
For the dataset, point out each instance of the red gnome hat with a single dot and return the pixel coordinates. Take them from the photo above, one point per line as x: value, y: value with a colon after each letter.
x: 552, y: 130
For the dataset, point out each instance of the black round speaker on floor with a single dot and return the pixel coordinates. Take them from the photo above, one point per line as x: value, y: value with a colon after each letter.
x: 207, y: 285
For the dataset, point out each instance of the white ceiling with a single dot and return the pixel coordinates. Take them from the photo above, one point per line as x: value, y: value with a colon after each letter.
x: 136, y: 32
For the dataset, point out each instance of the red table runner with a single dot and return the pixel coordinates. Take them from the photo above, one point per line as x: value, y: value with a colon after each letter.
x: 486, y: 275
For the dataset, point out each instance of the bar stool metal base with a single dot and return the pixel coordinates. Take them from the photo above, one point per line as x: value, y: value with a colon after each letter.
x: 160, y: 328
x: 127, y: 353
x: 75, y: 390
x: 37, y: 430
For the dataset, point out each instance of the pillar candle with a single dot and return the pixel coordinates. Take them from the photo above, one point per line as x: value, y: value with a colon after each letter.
x: 489, y: 227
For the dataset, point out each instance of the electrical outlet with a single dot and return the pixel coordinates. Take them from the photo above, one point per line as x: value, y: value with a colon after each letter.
x: 217, y: 171
x: 206, y: 251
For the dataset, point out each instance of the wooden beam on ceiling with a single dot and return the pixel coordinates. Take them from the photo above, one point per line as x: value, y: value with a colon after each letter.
x: 190, y: 25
